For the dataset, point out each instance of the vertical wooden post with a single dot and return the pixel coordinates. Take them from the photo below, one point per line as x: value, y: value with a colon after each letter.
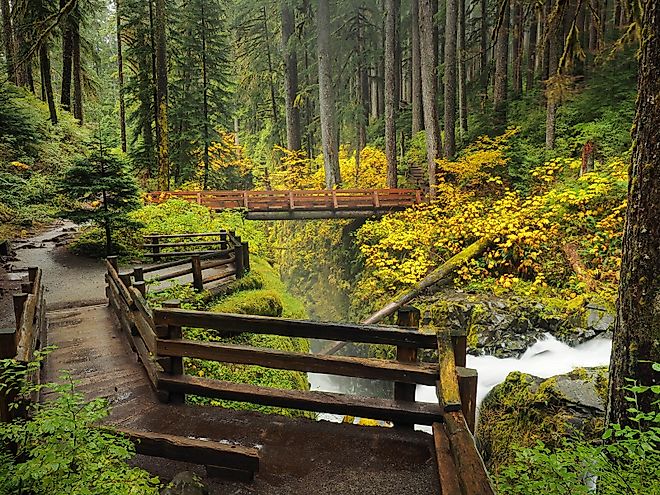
x: 156, y: 247
x: 138, y: 274
x: 176, y: 363
x: 238, y: 258
x: 113, y: 261
x: 407, y: 316
x: 19, y: 305
x: 125, y: 279
x: 8, y: 343
x: 246, y: 256
x: 198, y: 283
x: 223, y: 239
x: 141, y: 286
x: 467, y: 387
x: 32, y: 273
x: 459, y: 341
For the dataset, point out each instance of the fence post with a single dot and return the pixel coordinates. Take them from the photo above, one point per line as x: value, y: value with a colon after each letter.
x: 238, y: 258
x: 174, y: 332
x: 198, y: 283
x: 407, y: 316
x: 141, y: 286
x: 459, y: 341
x: 223, y: 240
x: 246, y: 256
x: 467, y: 387
x: 138, y: 274
x: 155, y: 240
x: 19, y: 304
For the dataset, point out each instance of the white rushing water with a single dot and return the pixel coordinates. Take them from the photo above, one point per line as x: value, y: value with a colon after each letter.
x: 545, y: 358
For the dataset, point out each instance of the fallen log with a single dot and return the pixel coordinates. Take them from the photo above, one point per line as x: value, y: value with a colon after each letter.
x: 437, y: 275
x: 572, y: 256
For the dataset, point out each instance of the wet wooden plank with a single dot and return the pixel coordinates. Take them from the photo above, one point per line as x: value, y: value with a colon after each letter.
x: 366, y: 407
x: 377, y: 369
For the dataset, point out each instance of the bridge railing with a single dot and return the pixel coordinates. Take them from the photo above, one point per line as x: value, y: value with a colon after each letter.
x: 157, y: 337
x: 22, y: 340
x: 302, y: 200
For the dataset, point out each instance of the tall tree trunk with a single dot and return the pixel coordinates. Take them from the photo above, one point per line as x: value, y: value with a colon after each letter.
x: 551, y: 103
x: 462, y: 71
x: 205, y: 102
x: 154, y: 85
x: 391, y: 97
x: 363, y: 95
x: 271, y: 71
x: 161, y: 90
x: 77, y: 75
x: 451, y: 20
x: 501, y: 65
x: 293, y: 140
x: 416, y: 79
x: 327, y: 98
x: 531, y: 50
x: 483, y: 44
x: 67, y: 61
x: 120, y: 74
x: 636, y: 343
x: 517, y: 47
x: 429, y: 89
x: 8, y: 39
x: 46, y: 81
x: 595, y: 27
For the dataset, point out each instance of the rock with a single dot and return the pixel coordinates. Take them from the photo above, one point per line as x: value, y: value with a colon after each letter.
x: 525, y: 408
x: 186, y: 483
x: 599, y: 319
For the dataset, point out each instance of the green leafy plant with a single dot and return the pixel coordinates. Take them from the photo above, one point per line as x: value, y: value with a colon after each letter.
x: 57, y: 446
x: 626, y: 462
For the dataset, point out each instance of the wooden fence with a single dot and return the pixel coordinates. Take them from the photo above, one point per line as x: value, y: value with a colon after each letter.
x: 303, y: 200
x: 157, y: 338
x: 20, y: 341
x: 223, y: 248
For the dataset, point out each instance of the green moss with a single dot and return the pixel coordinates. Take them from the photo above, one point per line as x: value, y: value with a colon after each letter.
x: 251, y: 302
x: 523, y: 410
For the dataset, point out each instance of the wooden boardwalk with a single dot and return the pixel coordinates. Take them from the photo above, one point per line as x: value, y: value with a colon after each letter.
x: 297, y: 456
x: 300, y: 204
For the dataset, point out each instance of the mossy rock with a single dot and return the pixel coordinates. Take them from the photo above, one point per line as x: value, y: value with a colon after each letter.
x: 251, y: 302
x: 525, y: 409
x: 252, y: 281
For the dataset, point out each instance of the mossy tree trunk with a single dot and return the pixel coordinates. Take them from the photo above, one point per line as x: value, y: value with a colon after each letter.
x: 391, y: 95
x: 637, y: 330
x: 161, y: 97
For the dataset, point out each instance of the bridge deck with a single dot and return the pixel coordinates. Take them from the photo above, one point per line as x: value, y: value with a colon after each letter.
x: 300, y: 204
x: 297, y: 455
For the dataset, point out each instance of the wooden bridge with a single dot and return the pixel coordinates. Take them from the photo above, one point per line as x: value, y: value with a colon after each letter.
x: 133, y: 355
x: 301, y: 204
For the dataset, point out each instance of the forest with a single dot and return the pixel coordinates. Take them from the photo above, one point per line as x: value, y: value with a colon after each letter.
x: 530, y: 129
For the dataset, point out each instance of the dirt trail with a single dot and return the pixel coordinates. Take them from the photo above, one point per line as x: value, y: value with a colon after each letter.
x: 69, y: 280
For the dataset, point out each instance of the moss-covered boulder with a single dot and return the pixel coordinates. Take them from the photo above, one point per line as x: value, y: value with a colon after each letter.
x: 524, y: 409
x: 251, y: 302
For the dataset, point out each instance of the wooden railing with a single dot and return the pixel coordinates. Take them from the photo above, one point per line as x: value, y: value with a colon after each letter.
x: 157, y: 337
x: 303, y: 200
x: 225, y: 248
x: 22, y: 340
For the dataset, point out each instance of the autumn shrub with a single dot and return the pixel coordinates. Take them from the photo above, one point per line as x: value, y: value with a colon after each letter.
x: 529, y: 232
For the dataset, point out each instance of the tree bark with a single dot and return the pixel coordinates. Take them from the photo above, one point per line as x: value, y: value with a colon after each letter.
x: 363, y: 95
x: 67, y: 61
x: 327, y: 98
x: 483, y: 45
x: 391, y: 98
x: 8, y: 39
x: 531, y: 51
x: 161, y: 91
x: 120, y: 75
x: 44, y: 67
x: 77, y: 75
x: 501, y: 66
x: 416, y: 77
x: 551, y: 104
x: 462, y: 71
x: 205, y: 103
x: 429, y: 89
x: 517, y: 47
x: 451, y: 20
x: 636, y: 343
x: 293, y: 139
